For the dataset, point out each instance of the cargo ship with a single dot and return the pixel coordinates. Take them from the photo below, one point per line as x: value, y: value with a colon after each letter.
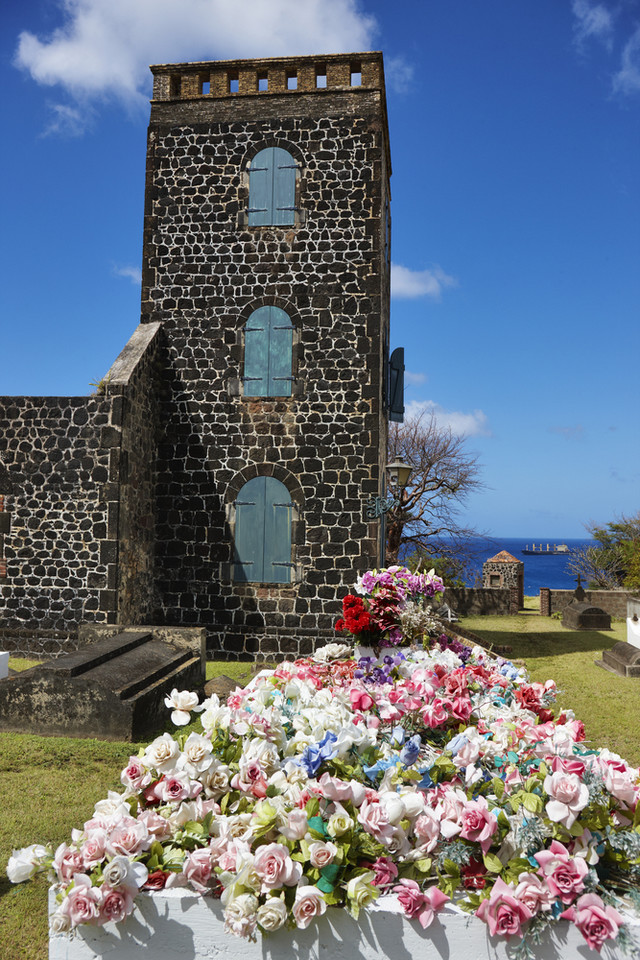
x: 557, y: 550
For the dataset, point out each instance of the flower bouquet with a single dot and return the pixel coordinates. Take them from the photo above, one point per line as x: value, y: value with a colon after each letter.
x: 391, y: 607
x: 420, y: 781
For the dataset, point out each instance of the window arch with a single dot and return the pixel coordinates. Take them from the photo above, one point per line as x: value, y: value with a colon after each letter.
x: 268, y: 353
x: 263, y: 532
x: 272, y: 188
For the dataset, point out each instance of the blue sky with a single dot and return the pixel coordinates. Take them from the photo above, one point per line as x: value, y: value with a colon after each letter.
x: 515, y: 138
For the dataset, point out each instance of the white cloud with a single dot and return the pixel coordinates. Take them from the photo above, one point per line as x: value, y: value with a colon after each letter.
x: 414, y: 378
x: 475, y: 424
x: 409, y: 284
x: 104, y: 47
x: 593, y: 22
x: 398, y: 74
x: 627, y: 79
x: 132, y: 273
x: 66, y: 121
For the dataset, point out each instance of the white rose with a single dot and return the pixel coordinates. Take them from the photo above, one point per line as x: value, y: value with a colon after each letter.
x: 360, y: 891
x: 162, y: 754
x: 240, y: 915
x: 339, y: 824
x: 25, y: 863
x: 59, y: 922
x: 182, y: 702
x: 122, y: 872
x: 196, y: 756
x: 272, y: 914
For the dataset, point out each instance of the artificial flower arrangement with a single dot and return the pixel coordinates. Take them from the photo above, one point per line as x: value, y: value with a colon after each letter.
x: 334, y: 781
x: 391, y: 607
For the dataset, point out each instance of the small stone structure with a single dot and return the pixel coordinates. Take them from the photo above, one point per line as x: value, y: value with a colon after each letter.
x: 582, y: 615
x: 504, y: 570
x: 112, y: 689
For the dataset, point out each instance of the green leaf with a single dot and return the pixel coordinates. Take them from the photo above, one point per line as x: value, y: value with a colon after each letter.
x: 492, y: 863
x: 424, y: 866
x: 452, y: 868
x: 325, y: 885
x: 532, y: 803
x: 312, y: 808
x: 498, y: 787
x: 317, y: 827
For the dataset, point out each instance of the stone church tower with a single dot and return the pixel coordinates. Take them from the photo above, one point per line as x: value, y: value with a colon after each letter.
x: 244, y: 426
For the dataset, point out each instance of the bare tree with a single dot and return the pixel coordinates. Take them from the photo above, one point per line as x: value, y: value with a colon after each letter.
x: 613, y: 561
x: 445, y: 472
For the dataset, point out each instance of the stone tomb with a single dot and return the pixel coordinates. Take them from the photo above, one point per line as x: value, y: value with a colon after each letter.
x: 112, y: 689
x: 624, y: 658
x: 582, y: 615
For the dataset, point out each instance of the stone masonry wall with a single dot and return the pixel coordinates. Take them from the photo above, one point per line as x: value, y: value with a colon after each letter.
x: 613, y: 602
x: 204, y: 273
x: 133, y: 385
x: 54, y: 468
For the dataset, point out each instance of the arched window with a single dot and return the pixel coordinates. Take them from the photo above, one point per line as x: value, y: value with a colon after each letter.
x: 272, y: 188
x: 263, y: 532
x: 268, y: 350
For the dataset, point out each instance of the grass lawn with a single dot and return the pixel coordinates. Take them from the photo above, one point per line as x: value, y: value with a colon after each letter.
x: 608, y: 705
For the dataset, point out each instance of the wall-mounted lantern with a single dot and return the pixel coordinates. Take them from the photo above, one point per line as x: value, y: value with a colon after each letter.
x: 398, y: 473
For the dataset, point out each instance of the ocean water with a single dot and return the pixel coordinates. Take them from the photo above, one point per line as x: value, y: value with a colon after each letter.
x: 539, y: 571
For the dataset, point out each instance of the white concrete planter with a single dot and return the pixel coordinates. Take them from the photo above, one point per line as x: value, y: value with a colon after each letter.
x: 4, y: 664
x: 179, y: 925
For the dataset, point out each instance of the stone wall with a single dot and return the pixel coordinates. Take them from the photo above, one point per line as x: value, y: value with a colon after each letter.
x: 55, y: 463
x: 134, y: 383
x: 475, y: 601
x: 204, y: 273
x: 613, y: 602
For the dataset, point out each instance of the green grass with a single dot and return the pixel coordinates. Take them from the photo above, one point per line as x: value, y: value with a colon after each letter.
x: 608, y: 705
x: 22, y: 663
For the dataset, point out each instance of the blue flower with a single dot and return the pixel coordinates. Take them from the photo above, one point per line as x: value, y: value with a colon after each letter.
x: 411, y: 750
x: 316, y: 754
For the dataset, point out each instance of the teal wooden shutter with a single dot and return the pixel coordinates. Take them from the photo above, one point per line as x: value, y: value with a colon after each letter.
x: 396, y: 385
x: 280, y: 353
x: 261, y: 188
x: 256, y: 353
x: 249, y: 539
x: 284, y: 187
x: 272, y: 188
x: 263, y: 532
x: 277, y: 532
x: 268, y: 348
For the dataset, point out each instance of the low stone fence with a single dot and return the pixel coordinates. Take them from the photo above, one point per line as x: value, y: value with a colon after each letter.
x: 37, y: 644
x: 482, y: 601
x: 613, y: 602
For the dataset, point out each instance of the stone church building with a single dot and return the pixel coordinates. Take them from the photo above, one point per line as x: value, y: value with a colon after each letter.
x: 219, y: 476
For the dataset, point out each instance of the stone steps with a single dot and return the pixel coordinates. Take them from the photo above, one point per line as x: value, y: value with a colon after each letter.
x: 113, y: 688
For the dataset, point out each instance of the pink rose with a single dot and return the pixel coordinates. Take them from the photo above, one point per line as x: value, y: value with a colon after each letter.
x: 360, y: 699
x: 563, y: 873
x: 93, y: 848
x: 157, y: 827
x: 309, y: 903
x: 385, y: 872
x: 135, y: 776
x: 450, y: 810
x: 478, y: 823
x: 502, y: 912
x: 275, y: 867
x: 594, y: 920
x: 197, y: 869
x: 415, y: 903
x: 435, y: 713
x: 568, y: 797
x: 82, y: 903
x: 321, y: 854
x: 297, y: 825
x: 67, y: 862
x: 373, y: 817
x: 427, y: 830
x: 128, y: 838
x: 116, y: 904
x: 534, y: 892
